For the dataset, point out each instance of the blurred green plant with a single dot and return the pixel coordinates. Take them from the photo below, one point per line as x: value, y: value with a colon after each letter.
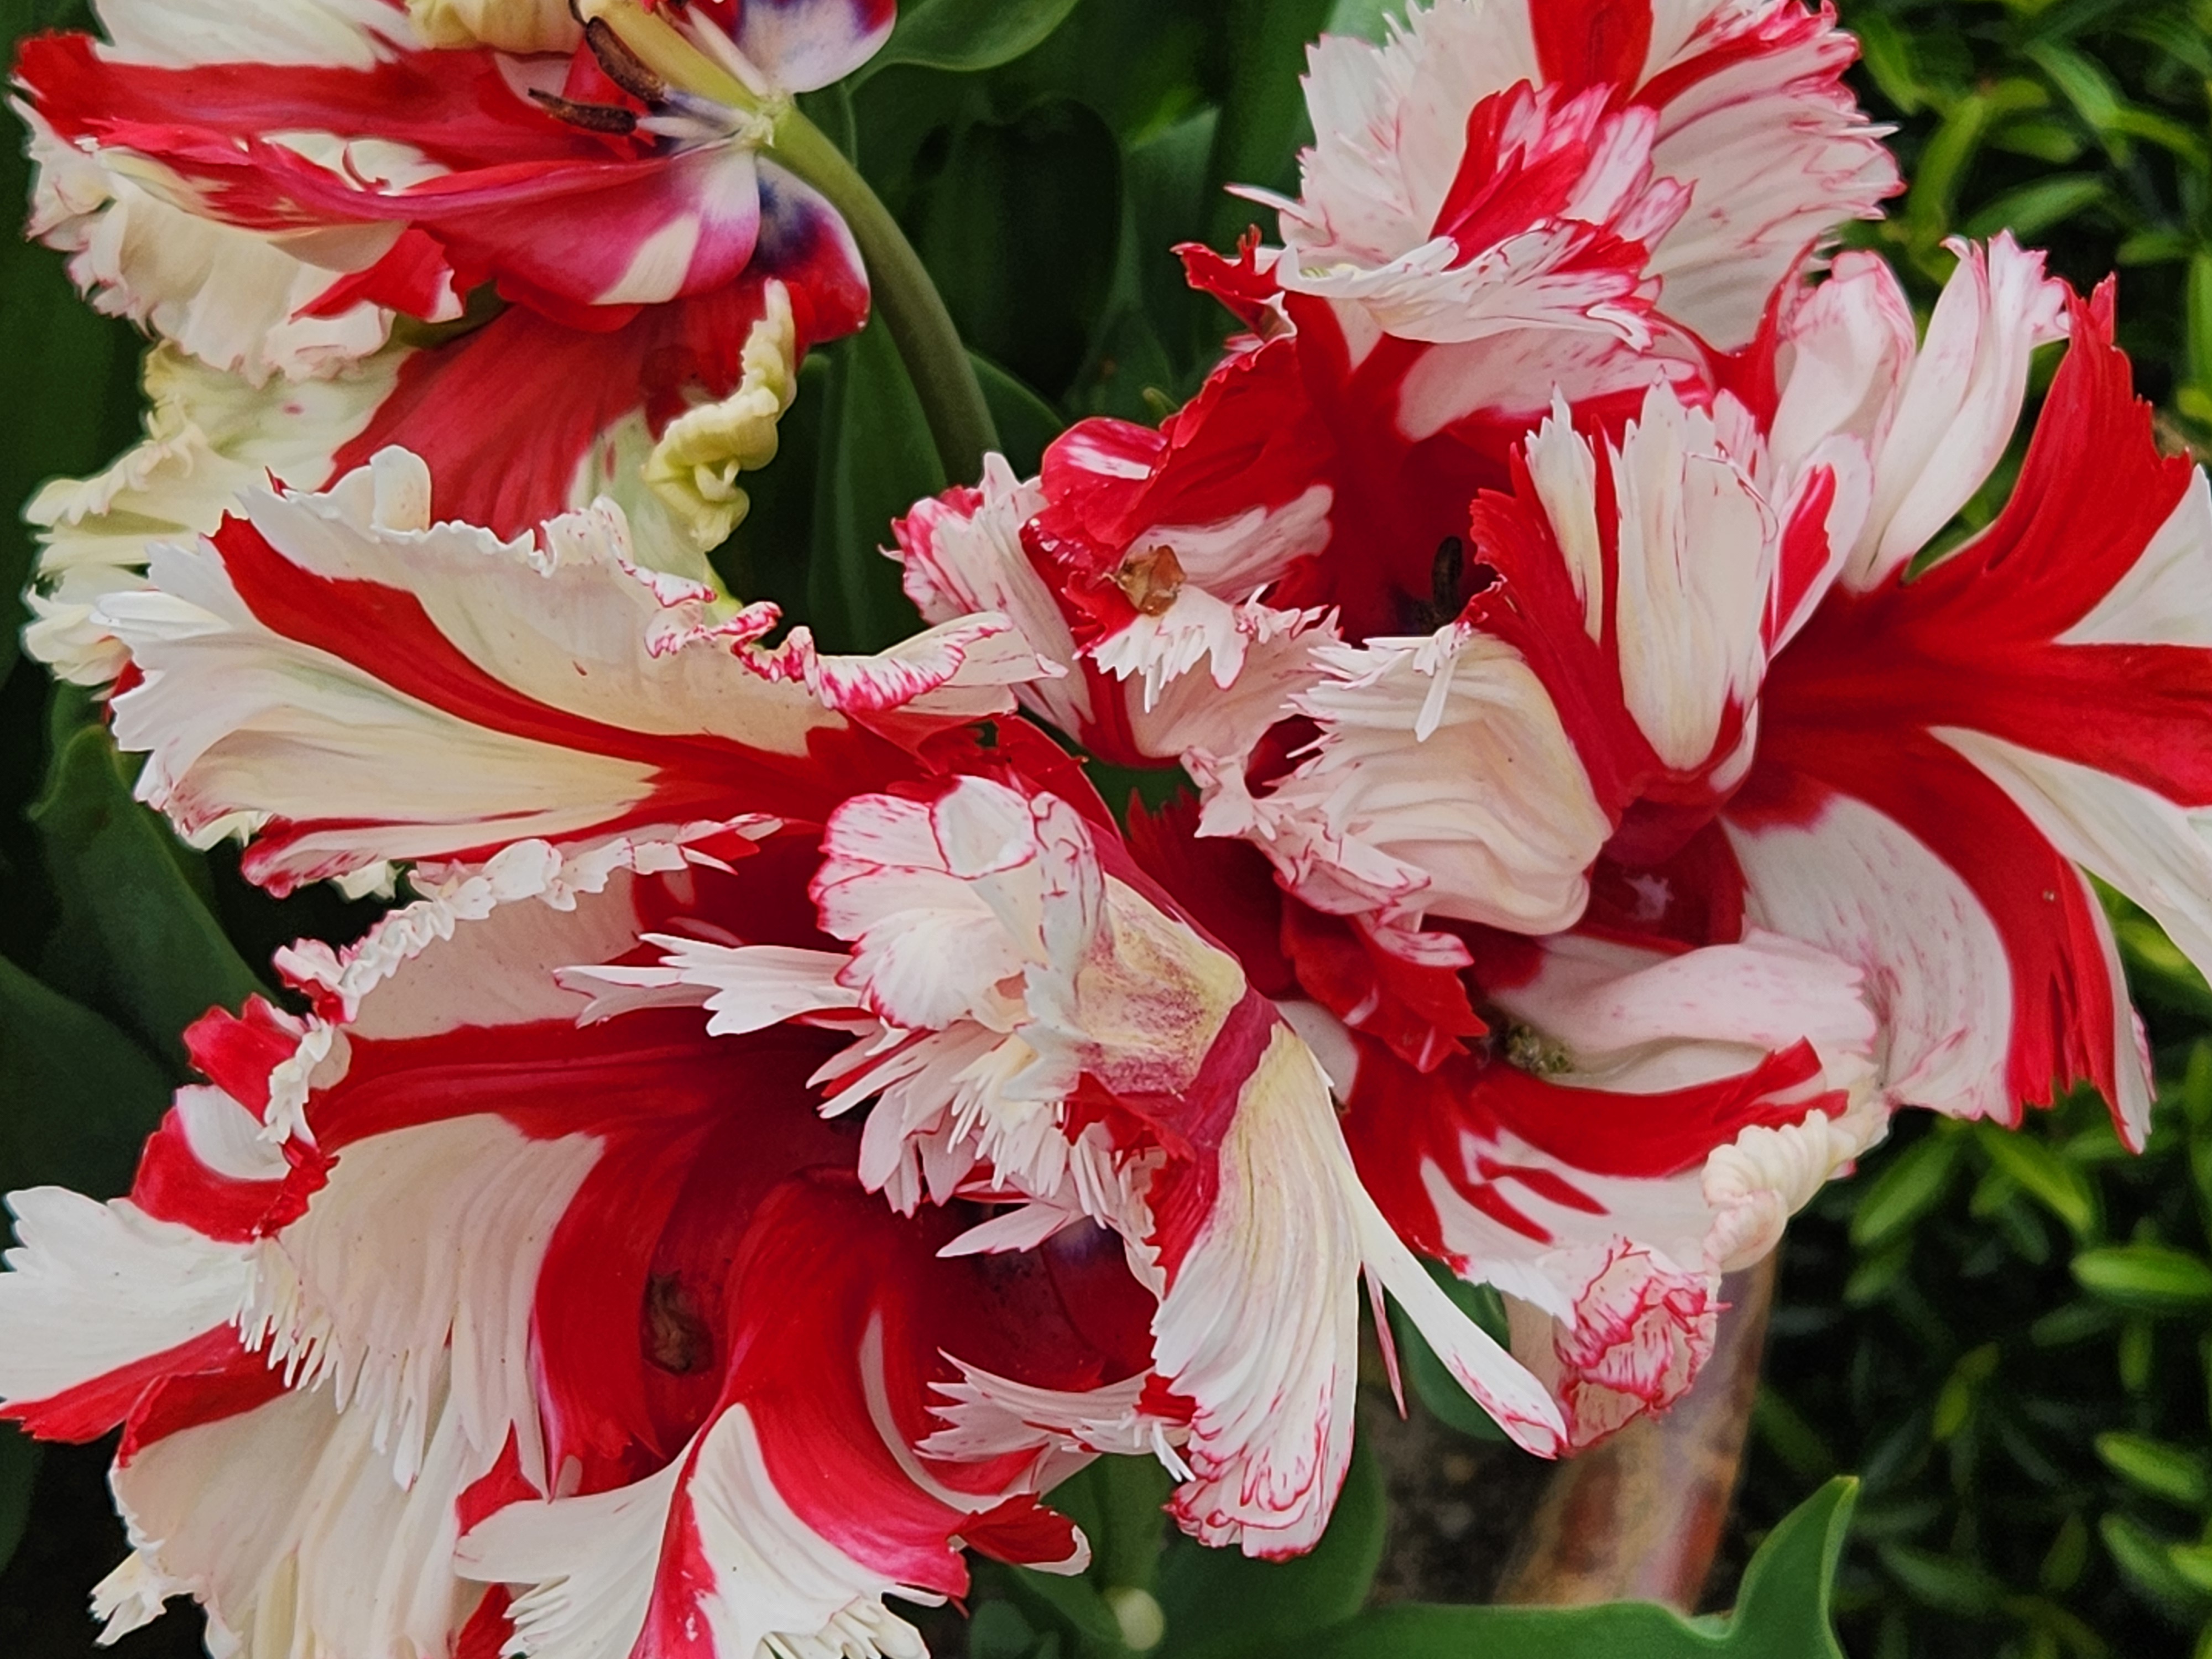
x: 1176, y: 1599
x: 2008, y: 1335
x: 2079, y: 124
x: 2008, y: 1338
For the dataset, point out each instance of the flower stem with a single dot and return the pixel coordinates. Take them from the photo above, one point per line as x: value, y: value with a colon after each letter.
x: 951, y: 398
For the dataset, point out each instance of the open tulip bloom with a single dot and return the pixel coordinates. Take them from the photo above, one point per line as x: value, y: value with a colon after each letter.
x: 794, y: 1123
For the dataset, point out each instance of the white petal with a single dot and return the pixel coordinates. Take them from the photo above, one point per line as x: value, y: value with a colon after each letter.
x: 1857, y: 884
x: 92, y: 1287
x: 287, y: 1523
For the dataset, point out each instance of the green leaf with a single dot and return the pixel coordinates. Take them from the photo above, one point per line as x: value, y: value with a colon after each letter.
x: 878, y: 459
x: 1782, y: 1612
x: 966, y: 34
x: 1018, y: 224
x: 1121, y: 1505
x: 2049, y: 1179
x: 1366, y: 19
x: 2198, y: 318
x: 1263, y: 113
x: 1129, y: 370
x: 1222, y: 1605
x: 1429, y: 1377
x: 1907, y: 1190
x: 2084, y: 83
x: 831, y: 109
x: 2033, y: 208
x: 2055, y: 140
x: 2149, y: 1277
x: 136, y: 938
x: 2156, y: 969
x: 1785, y: 1432
x: 1074, y: 1606
x: 1942, y: 1581
x: 1169, y: 195
x: 2194, y: 1563
x: 998, y: 1631
x: 2163, y: 1470
x: 81, y: 1097
x: 1026, y: 422
x: 2168, y: 135
x: 2147, y: 1561
x: 1943, y: 166
x: 18, y: 1473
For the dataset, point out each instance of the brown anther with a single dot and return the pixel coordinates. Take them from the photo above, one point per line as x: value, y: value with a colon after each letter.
x: 591, y: 118
x: 623, y: 67
x: 676, y: 1337
x: 1444, y: 572
x: 1151, y: 579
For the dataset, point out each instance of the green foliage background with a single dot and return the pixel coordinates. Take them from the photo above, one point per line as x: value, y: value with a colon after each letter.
x: 2008, y: 1339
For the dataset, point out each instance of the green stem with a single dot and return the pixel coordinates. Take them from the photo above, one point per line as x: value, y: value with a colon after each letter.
x: 902, y: 293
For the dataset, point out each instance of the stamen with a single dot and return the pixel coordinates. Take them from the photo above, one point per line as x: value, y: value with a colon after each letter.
x: 1444, y: 571
x: 623, y: 67
x: 1151, y: 579
x: 591, y: 118
x: 676, y: 1339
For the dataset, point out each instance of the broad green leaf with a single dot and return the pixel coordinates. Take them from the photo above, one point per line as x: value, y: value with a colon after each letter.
x: 2148, y: 1278
x: 137, y: 937
x: 1165, y: 188
x: 2156, y: 1466
x: 1129, y: 374
x: 1886, y: 51
x: 1074, y: 1607
x: 1263, y: 113
x: 1428, y: 1376
x: 1121, y: 1505
x: 1141, y: 65
x: 1223, y: 1604
x: 878, y: 459
x: 1782, y: 1612
x: 998, y: 1631
x: 1026, y: 422
x: 1366, y: 19
x: 1907, y: 1190
x: 1018, y: 224
x: 81, y: 1096
x: 18, y: 1473
x: 966, y: 34
x: 2056, y: 1185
